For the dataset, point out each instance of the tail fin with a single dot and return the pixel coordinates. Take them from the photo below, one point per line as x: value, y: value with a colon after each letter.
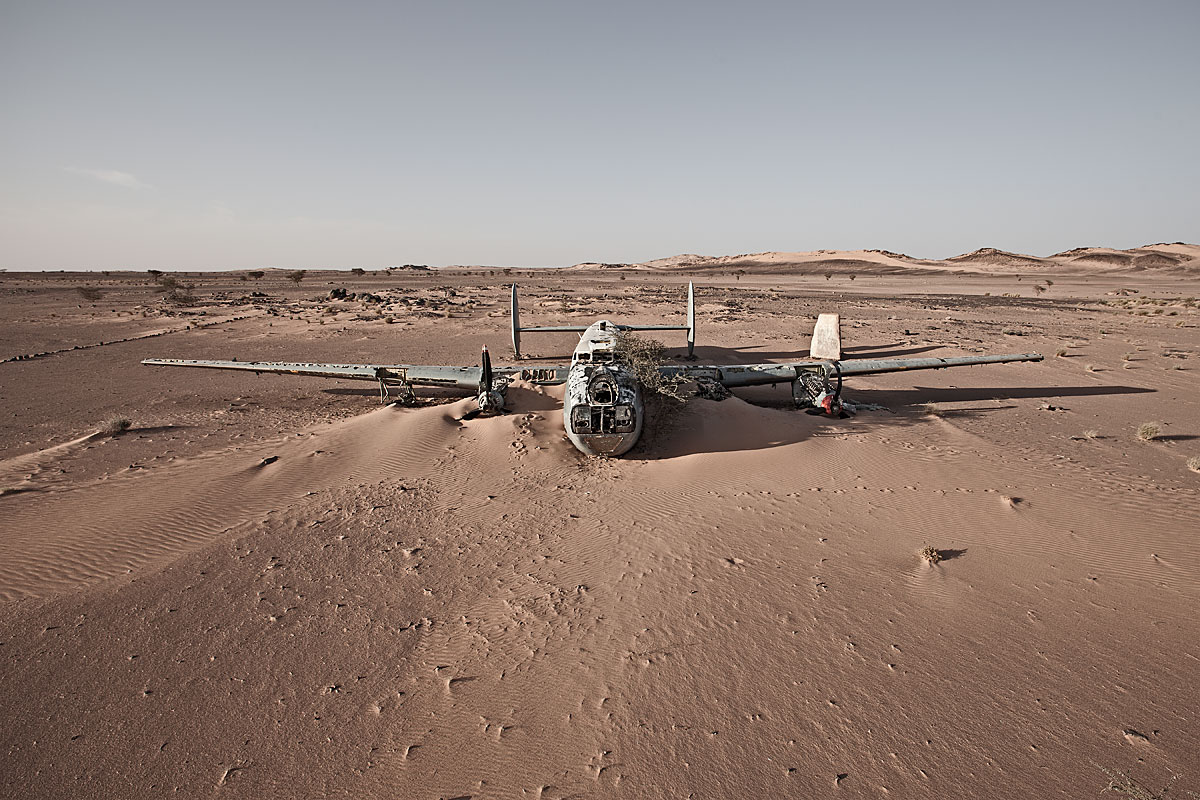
x: 827, y: 338
x: 691, y: 320
x: 517, y: 329
x: 516, y: 324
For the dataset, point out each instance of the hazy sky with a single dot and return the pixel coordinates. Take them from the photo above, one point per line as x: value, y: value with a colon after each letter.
x: 195, y: 135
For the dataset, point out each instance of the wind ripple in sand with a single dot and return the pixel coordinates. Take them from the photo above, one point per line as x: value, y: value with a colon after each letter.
x: 51, y: 541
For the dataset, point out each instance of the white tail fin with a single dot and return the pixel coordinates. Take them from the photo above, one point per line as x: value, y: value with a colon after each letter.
x: 827, y: 338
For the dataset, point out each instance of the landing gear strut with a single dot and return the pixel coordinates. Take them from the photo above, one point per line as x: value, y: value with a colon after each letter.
x: 404, y: 390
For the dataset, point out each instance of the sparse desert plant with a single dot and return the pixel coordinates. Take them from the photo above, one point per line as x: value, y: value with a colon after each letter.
x: 357, y: 271
x: 828, y: 275
x: 644, y: 357
x: 930, y: 408
x: 1060, y: 352
x: 1128, y: 356
x: 1149, y: 431
x: 853, y: 276
x: 1092, y: 368
x: 1039, y: 289
x: 180, y: 295
x: 297, y: 275
x: 89, y: 293
x: 1091, y: 433
x: 154, y: 273
x: 116, y: 426
x: 931, y: 554
x: 1124, y: 786
x: 256, y: 274
x: 1193, y: 463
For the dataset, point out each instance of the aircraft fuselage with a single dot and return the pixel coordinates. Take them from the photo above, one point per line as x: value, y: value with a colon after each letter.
x: 602, y: 409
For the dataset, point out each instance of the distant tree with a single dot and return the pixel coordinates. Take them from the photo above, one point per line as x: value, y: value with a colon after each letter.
x: 358, y: 271
x: 297, y: 276
x: 154, y: 273
x: 256, y: 274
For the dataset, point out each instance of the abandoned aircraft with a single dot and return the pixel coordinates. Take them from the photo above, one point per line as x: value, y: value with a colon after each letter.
x: 603, y: 409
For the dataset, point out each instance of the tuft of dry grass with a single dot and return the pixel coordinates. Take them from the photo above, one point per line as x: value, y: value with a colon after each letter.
x: 1092, y: 368
x: 1123, y: 785
x: 1060, y: 352
x: 1193, y: 463
x: 931, y: 554
x: 116, y: 426
x: 1091, y: 433
x: 1149, y: 431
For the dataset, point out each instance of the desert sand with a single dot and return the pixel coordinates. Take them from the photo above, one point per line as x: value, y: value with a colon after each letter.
x: 276, y: 587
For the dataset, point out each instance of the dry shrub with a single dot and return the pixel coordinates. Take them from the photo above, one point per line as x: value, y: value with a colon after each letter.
x: 89, y: 293
x: 116, y: 426
x: 1193, y: 463
x: 1091, y: 433
x: 1149, y: 431
x: 931, y: 554
x: 643, y: 357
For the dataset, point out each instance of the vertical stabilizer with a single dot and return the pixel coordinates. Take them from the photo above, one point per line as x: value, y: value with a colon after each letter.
x: 827, y: 338
x: 516, y: 324
x: 691, y: 320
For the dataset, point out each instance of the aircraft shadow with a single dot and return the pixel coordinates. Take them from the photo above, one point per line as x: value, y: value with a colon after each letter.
x: 897, y: 399
x: 885, y: 351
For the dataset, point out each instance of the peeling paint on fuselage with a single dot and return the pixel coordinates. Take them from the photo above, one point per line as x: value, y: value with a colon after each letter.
x: 603, y: 392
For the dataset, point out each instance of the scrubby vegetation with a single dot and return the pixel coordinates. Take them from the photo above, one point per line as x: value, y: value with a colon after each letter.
x: 1149, y: 431
x: 644, y: 356
x: 931, y: 554
x: 116, y: 426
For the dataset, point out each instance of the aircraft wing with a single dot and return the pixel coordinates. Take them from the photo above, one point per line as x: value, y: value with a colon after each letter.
x: 414, y: 374
x: 733, y: 375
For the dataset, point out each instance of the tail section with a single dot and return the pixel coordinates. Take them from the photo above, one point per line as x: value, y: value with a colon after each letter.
x: 691, y: 320
x: 516, y: 324
x: 690, y: 327
x: 827, y: 338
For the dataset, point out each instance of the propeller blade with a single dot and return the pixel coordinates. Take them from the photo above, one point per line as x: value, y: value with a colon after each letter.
x: 485, y: 375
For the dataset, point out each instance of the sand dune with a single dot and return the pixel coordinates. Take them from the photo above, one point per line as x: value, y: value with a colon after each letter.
x: 986, y: 259
x: 309, y: 595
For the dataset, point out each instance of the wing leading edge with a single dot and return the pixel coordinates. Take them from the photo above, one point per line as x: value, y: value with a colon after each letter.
x: 413, y: 374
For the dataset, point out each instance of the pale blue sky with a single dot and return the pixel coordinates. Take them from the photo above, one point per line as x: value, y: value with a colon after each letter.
x: 188, y: 135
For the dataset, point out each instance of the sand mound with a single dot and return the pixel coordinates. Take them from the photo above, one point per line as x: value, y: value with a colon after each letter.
x: 991, y: 257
